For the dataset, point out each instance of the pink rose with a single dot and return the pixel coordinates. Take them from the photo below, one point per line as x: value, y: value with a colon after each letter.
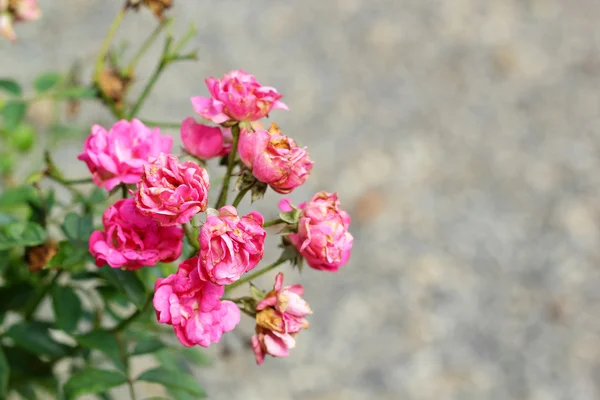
x: 203, y: 141
x: 17, y: 11
x: 132, y: 240
x: 172, y: 193
x: 119, y: 155
x: 230, y: 246
x: 237, y: 96
x: 275, y: 159
x: 323, y: 238
x: 193, y: 306
x: 280, y: 316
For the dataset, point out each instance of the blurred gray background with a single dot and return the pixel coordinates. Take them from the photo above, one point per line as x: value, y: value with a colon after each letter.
x: 463, y: 137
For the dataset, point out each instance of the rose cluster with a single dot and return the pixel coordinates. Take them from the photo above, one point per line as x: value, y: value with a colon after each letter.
x: 163, y: 196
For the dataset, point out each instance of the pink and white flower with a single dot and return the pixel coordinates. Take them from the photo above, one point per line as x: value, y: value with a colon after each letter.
x: 131, y: 240
x: 237, y: 97
x: 193, y: 306
x: 230, y: 245
x: 323, y: 238
x: 280, y: 316
x: 118, y: 155
x: 275, y: 159
x: 170, y: 192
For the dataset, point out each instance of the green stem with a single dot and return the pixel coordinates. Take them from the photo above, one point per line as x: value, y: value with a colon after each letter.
x: 166, y: 125
x: 128, y: 321
x: 123, y: 190
x: 164, y: 61
x: 77, y: 181
x: 235, y: 131
x: 35, y: 301
x: 254, y: 275
x: 106, y: 43
x: 240, y: 196
x: 145, y: 46
x: 66, y: 184
x: 276, y: 221
x: 191, y: 237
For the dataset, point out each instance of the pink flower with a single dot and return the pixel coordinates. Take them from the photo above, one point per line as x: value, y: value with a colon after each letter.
x: 17, y: 11
x: 203, y: 141
x: 172, y: 193
x: 323, y: 238
x: 275, y: 159
x: 237, y: 96
x: 118, y: 156
x: 132, y: 240
x: 193, y: 306
x: 281, y: 315
x: 230, y: 246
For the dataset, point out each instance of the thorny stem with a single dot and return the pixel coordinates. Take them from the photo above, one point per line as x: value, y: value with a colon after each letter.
x: 235, y: 131
x: 254, y: 275
x: 276, y: 221
x: 164, y: 61
x: 106, y: 43
x: 240, y: 196
x: 145, y: 46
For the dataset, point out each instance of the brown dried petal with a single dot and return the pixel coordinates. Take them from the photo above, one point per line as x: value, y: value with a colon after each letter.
x: 38, y: 256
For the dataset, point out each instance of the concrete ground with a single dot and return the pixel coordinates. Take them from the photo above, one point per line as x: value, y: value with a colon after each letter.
x: 464, y: 139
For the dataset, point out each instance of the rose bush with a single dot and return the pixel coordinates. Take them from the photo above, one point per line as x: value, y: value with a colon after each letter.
x: 145, y: 240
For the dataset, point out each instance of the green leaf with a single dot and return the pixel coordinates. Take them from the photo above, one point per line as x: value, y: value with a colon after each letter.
x: 77, y: 93
x: 84, y: 276
x: 22, y: 138
x: 11, y: 87
x: 4, y: 374
x: 105, y: 342
x: 21, y: 234
x: 16, y: 196
x: 46, y: 81
x: 128, y: 283
x: 147, y: 345
x: 77, y: 228
x: 92, y: 380
x: 173, y: 380
x: 98, y: 196
x: 69, y: 257
x: 67, y: 307
x: 35, y: 177
x: 26, y: 391
x: 14, y: 296
x: 34, y: 337
x: 6, y: 219
x: 195, y: 356
x: 291, y: 217
x: 13, y: 113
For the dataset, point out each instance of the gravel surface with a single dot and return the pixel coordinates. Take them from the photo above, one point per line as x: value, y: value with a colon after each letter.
x: 464, y: 139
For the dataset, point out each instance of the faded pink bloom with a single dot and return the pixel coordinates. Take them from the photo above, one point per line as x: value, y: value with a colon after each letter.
x: 230, y: 245
x: 131, y: 240
x: 323, y: 238
x: 203, y: 141
x: 237, y: 96
x: 118, y: 156
x: 281, y: 315
x: 172, y: 193
x: 16, y: 11
x: 193, y: 306
x: 275, y: 159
